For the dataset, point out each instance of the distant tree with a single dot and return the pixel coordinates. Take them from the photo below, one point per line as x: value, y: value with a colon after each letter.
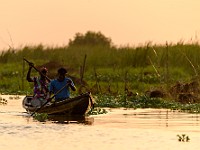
x: 90, y: 38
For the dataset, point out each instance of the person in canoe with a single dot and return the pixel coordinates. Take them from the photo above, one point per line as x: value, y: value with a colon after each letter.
x: 61, y: 86
x: 41, y: 86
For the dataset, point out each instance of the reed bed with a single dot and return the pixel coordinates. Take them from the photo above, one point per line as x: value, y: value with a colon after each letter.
x: 107, y: 69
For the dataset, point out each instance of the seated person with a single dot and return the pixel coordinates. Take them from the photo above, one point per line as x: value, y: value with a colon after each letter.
x: 59, y: 83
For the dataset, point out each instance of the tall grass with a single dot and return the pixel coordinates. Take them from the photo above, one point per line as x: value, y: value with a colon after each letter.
x: 139, y: 68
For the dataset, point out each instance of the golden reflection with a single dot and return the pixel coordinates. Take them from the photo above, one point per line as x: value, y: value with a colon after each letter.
x: 63, y: 119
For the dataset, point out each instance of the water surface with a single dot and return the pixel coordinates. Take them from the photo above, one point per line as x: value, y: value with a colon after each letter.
x: 119, y: 129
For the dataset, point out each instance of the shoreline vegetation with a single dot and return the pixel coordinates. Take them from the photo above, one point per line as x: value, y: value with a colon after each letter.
x: 149, y: 76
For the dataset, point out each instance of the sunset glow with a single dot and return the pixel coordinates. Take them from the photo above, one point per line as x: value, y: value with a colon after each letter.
x: 126, y: 22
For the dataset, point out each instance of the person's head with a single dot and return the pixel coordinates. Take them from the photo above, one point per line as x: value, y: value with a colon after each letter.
x: 61, y: 73
x: 43, y: 71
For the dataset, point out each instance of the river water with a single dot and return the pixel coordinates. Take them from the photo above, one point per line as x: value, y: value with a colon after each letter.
x: 119, y: 129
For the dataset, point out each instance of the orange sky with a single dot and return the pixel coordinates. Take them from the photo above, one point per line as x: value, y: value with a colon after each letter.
x: 54, y: 22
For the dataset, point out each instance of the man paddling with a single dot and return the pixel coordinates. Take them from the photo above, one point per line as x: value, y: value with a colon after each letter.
x: 59, y: 83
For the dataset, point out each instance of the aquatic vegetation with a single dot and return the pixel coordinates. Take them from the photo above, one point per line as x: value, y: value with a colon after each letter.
x: 3, y: 101
x: 14, y: 97
x: 183, y: 138
x: 42, y: 117
x: 143, y: 101
x: 97, y: 111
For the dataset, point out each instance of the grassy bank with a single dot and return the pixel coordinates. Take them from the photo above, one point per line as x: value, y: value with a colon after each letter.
x: 170, y: 71
x: 140, y: 68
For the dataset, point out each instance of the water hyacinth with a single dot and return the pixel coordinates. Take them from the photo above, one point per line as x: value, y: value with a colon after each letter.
x: 183, y: 138
x: 3, y: 101
x: 97, y: 111
x: 42, y: 117
x: 143, y: 101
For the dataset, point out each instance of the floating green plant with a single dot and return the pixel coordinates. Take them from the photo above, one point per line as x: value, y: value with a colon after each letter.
x: 143, y: 101
x: 97, y: 111
x: 183, y: 138
x: 14, y: 97
x: 42, y: 117
x: 3, y: 101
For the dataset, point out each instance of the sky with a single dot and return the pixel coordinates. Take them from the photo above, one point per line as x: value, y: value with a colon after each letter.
x: 126, y: 22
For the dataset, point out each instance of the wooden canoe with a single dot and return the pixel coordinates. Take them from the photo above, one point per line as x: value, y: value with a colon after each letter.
x: 79, y: 105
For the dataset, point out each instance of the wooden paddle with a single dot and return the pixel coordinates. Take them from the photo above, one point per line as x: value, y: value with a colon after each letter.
x: 38, y: 70
x: 49, y: 99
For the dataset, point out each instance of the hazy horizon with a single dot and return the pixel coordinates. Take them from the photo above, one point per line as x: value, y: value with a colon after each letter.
x: 126, y: 22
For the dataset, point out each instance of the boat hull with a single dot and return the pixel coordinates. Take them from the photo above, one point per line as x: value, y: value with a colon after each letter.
x: 79, y: 105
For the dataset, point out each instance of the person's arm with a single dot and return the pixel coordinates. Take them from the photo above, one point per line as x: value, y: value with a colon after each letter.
x: 71, y: 85
x: 28, y: 76
x: 50, y: 88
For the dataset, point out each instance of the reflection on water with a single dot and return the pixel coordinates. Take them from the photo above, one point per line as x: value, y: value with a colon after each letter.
x: 149, y: 118
x: 119, y: 129
x: 165, y: 118
x: 59, y: 119
x: 63, y: 119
